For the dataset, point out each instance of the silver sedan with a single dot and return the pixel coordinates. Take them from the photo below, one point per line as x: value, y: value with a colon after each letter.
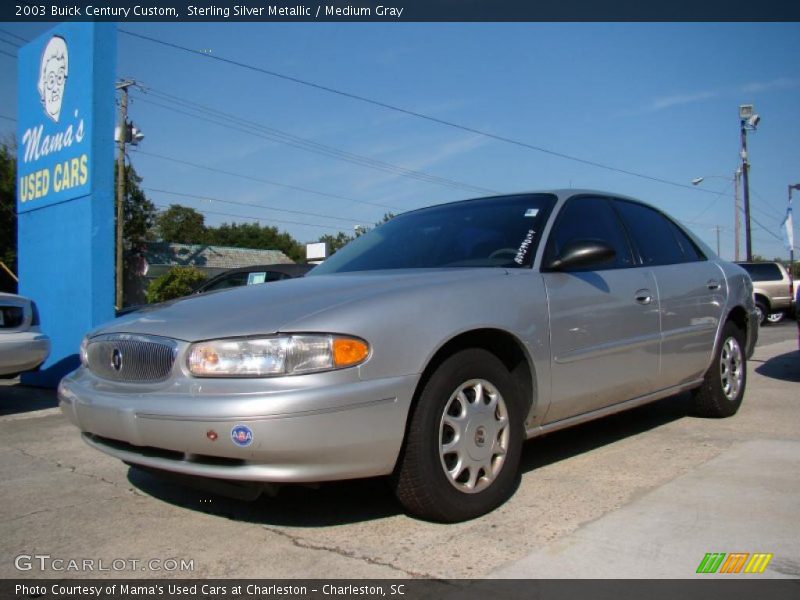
x: 23, y: 346
x: 428, y: 350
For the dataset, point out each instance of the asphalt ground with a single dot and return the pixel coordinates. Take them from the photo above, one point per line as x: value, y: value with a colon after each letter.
x: 641, y: 494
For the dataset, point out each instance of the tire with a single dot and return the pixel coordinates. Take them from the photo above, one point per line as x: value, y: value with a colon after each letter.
x: 447, y: 471
x: 763, y: 310
x: 776, y: 317
x: 722, y: 390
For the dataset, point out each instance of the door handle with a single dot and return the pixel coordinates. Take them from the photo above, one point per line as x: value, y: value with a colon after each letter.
x: 713, y: 284
x: 644, y: 297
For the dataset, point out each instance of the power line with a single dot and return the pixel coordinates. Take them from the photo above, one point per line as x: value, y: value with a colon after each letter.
x: 239, y: 203
x: 8, y: 118
x: 14, y: 56
x: 412, y: 113
x: 777, y: 215
x: 259, y: 180
x: 713, y: 202
x: 14, y: 35
x: 246, y: 126
x: 14, y: 45
x: 213, y: 212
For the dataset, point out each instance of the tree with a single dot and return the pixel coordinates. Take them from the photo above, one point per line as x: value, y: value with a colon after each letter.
x: 253, y: 235
x: 341, y: 239
x: 139, y: 214
x: 335, y: 242
x: 175, y: 283
x: 181, y: 225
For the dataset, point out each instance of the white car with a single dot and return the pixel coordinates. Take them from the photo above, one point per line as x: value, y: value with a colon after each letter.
x: 23, y: 346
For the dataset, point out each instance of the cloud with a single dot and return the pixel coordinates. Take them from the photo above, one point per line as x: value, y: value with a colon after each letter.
x: 782, y: 83
x: 679, y: 99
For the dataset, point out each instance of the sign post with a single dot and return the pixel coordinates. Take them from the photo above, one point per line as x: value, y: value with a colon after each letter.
x: 65, y: 185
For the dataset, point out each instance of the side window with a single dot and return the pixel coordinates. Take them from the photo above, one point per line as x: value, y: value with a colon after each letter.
x: 653, y: 234
x: 690, y: 249
x: 587, y: 218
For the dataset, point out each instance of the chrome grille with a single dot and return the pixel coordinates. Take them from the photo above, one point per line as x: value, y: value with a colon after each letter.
x: 131, y: 358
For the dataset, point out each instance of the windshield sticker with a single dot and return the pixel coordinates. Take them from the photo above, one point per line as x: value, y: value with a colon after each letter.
x: 523, y: 248
x: 531, y: 212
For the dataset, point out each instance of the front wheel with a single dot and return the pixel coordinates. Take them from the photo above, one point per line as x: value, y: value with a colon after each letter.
x: 722, y: 390
x: 464, y: 440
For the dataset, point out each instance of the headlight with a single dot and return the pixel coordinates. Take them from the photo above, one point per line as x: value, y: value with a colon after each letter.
x: 277, y: 355
x: 85, y: 351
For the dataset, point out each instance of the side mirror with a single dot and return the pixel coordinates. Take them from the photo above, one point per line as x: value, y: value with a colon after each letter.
x: 581, y: 254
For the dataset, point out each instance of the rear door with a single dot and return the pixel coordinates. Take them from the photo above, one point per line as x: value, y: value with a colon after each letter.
x: 692, y: 290
x: 604, y: 322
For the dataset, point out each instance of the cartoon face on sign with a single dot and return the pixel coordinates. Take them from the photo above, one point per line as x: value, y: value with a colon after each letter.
x: 53, y: 72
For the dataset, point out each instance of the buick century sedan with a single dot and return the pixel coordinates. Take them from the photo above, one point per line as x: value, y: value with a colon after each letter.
x: 427, y: 350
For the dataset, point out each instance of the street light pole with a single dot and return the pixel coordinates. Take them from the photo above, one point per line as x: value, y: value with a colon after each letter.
x: 737, y: 234
x: 748, y: 119
x: 746, y: 184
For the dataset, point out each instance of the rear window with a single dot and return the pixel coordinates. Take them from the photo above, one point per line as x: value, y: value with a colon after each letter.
x: 763, y: 271
x: 11, y: 317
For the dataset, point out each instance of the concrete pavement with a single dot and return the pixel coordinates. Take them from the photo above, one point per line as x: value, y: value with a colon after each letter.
x: 591, y: 500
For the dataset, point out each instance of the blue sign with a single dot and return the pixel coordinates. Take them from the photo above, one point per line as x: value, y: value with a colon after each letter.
x: 65, y: 185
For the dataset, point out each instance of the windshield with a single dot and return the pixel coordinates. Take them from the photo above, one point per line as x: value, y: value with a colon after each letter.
x: 488, y: 232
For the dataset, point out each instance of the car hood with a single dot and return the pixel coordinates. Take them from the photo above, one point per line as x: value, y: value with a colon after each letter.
x: 274, y: 307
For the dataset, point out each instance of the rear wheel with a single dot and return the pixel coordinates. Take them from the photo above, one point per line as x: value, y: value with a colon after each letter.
x: 464, y: 440
x: 775, y: 317
x: 723, y: 387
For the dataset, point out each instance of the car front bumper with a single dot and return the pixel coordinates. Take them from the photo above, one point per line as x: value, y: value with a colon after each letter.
x: 346, y: 429
x: 22, y: 351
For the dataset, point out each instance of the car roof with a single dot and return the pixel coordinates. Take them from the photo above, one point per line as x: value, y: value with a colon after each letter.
x: 559, y: 193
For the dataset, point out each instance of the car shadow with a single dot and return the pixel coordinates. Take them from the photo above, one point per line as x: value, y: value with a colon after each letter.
x: 18, y: 399
x: 354, y: 501
x: 785, y: 367
x: 564, y: 444
x: 293, y: 505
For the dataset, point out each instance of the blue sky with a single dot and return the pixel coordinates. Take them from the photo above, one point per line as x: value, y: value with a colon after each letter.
x: 658, y: 99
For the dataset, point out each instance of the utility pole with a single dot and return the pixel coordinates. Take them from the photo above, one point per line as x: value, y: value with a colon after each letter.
x: 746, y: 184
x: 121, y: 140
x: 718, y: 228
x: 748, y: 119
x: 736, y: 216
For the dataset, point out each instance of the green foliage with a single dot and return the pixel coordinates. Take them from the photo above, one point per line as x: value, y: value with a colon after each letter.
x: 175, y: 283
x: 181, y: 225
x: 335, y: 242
x: 253, y: 235
x: 139, y: 213
x: 341, y: 239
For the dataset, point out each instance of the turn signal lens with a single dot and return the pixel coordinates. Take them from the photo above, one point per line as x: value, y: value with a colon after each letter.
x: 349, y: 351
